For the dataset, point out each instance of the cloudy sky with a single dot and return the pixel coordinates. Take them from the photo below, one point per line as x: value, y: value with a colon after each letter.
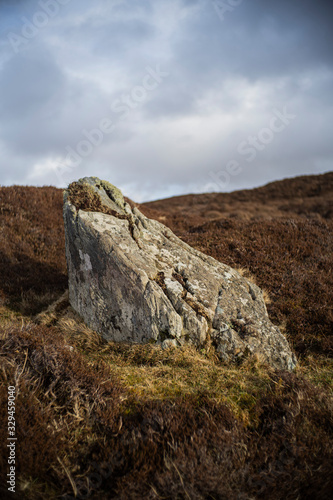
x: 165, y: 97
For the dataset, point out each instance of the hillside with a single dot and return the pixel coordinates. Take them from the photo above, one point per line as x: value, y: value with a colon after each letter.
x: 307, y: 196
x: 282, y: 234
x: 107, y: 421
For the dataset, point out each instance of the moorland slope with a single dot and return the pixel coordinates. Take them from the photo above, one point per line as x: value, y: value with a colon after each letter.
x: 106, y: 421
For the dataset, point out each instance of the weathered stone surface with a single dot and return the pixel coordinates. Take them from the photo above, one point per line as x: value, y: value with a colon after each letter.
x: 132, y: 279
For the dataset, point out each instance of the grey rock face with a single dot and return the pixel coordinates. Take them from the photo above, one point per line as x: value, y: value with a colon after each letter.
x: 132, y: 279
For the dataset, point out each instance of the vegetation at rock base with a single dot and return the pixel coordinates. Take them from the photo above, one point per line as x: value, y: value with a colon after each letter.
x: 98, y: 420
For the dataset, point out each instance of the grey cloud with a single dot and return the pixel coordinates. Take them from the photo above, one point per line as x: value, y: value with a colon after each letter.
x: 257, y: 39
x: 42, y: 109
x: 224, y: 79
x: 28, y: 83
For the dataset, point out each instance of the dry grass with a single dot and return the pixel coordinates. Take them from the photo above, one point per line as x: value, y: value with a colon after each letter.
x: 123, y: 421
x: 84, y: 197
x: 173, y: 421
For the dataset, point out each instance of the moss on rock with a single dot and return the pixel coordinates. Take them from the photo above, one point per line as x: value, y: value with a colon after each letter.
x: 93, y: 195
x: 113, y: 193
x: 84, y: 197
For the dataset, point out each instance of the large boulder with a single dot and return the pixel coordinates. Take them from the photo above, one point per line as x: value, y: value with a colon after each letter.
x: 132, y: 279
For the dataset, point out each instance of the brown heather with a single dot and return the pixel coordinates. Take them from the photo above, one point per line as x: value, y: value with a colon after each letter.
x: 32, y: 259
x: 116, y: 421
